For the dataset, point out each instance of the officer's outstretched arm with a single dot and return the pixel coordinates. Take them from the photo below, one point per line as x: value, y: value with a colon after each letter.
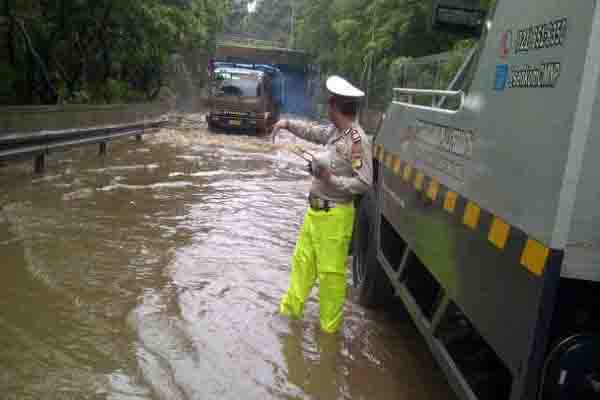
x: 311, y: 132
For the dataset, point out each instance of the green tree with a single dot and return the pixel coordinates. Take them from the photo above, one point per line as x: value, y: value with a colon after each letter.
x: 236, y: 17
x: 364, y: 39
x: 100, y: 50
x: 271, y: 21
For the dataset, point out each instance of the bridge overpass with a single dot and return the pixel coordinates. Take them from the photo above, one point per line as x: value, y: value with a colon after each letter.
x: 242, y: 48
x: 302, y: 86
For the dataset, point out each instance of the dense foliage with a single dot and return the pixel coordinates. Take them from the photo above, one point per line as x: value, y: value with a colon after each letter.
x: 271, y: 21
x: 236, y: 17
x: 361, y: 39
x: 99, y: 51
x: 67, y: 51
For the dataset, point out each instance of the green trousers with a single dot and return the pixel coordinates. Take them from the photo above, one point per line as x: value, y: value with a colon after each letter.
x: 321, y: 253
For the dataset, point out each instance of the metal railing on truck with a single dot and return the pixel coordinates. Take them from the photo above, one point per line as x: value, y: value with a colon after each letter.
x: 434, y: 72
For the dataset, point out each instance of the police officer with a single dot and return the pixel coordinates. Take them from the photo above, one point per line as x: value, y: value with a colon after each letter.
x: 341, y: 172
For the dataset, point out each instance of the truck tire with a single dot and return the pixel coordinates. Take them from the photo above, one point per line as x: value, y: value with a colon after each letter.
x: 211, y: 126
x: 371, y: 281
x: 572, y: 370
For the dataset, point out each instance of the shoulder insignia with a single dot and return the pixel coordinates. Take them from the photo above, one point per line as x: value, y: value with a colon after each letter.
x: 342, y: 136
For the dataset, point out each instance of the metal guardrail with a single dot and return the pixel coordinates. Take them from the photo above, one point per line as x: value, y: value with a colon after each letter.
x: 259, y: 44
x: 248, y: 40
x: 39, y: 144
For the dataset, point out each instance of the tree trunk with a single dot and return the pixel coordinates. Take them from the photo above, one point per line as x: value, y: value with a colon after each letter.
x: 10, y: 48
x: 106, y: 47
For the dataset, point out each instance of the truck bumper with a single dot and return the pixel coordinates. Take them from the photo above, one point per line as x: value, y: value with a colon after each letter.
x: 237, y: 123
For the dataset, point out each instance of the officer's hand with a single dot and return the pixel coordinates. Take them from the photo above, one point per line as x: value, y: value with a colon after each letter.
x: 324, y: 174
x: 281, y: 124
x: 320, y: 168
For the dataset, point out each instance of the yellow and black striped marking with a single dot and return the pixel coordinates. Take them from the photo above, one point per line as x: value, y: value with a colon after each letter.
x: 534, y: 255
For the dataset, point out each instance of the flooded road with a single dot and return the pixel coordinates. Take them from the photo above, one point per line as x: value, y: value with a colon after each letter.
x: 156, y: 274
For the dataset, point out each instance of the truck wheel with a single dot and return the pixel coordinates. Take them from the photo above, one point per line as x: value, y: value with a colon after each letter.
x: 374, y: 287
x: 211, y: 126
x: 572, y: 370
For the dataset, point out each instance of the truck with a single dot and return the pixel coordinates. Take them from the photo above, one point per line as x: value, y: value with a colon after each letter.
x: 243, y: 96
x: 484, y: 215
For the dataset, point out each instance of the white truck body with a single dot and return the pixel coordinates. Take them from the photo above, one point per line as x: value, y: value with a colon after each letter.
x: 491, y: 210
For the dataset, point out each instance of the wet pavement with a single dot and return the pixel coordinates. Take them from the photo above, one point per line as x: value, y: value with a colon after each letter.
x: 155, y: 273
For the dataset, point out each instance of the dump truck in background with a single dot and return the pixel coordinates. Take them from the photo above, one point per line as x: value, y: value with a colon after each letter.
x: 243, y: 97
x: 484, y: 218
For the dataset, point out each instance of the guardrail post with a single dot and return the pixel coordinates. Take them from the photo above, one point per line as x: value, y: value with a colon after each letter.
x: 40, y: 163
x: 138, y: 137
x: 103, y: 149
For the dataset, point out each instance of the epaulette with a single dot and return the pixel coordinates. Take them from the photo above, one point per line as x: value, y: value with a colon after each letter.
x: 355, y: 135
x: 347, y: 132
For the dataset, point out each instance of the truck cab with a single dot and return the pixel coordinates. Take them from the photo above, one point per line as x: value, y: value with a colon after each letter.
x: 241, y: 98
x: 484, y: 219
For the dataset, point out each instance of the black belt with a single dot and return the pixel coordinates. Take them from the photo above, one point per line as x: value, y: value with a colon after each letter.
x: 319, y: 204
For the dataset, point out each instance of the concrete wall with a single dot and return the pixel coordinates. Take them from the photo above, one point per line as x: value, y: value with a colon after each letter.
x: 34, y: 118
x: 188, y: 75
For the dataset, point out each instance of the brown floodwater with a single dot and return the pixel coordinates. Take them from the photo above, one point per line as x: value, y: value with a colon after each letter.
x: 156, y: 272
